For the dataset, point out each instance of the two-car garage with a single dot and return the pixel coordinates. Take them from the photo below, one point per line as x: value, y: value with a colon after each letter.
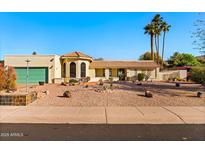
x: 41, y: 68
x: 35, y: 74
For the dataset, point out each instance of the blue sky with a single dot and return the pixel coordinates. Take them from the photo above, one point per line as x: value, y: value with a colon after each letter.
x: 108, y: 35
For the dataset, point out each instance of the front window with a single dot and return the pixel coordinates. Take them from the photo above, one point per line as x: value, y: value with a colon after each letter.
x: 72, y: 70
x: 83, y: 69
x: 110, y: 72
x: 100, y: 72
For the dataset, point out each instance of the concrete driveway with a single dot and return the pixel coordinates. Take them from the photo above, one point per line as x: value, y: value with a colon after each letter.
x: 103, y: 115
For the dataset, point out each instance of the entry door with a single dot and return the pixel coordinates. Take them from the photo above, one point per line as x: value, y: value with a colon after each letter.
x: 121, y: 74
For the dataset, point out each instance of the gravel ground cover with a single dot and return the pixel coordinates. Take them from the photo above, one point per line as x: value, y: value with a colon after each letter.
x: 123, y: 94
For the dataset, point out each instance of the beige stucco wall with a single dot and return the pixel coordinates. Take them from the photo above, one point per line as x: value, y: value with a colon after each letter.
x: 78, y: 67
x: 57, y: 66
x: 52, y: 62
x: 92, y: 73
x: 182, y: 74
x: 134, y: 72
x: 131, y: 72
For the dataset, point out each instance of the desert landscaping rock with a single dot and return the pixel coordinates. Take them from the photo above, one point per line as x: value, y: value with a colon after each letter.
x: 124, y: 94
x: 148, y: 94
x: 199, y: 94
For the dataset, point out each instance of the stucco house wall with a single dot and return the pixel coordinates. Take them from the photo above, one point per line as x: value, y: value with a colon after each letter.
x: 52, y: 62
x: 59, y: 66
x: 78, y: 67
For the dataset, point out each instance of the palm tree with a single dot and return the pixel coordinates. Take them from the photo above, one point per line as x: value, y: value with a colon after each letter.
x: 149, y: 29
x: 157, y: 21
x: 165, y: 28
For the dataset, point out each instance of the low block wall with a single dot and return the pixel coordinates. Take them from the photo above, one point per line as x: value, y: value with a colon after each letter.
x: 182, y: 74
x: 18, y: 99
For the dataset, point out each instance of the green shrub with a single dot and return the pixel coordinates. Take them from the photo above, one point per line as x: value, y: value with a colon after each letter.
x: 73, y: 81
x: 198, y: 75
x: 140, y: 76
x: 110, y: 79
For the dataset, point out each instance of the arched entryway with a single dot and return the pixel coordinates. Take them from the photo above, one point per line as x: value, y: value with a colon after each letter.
x: 72, y: 70
x: 83, y: 69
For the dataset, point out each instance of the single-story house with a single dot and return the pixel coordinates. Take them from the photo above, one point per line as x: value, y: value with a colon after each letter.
x: 54, y: 68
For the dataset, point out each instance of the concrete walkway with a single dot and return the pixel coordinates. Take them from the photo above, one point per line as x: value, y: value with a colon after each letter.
x: 103, y: 115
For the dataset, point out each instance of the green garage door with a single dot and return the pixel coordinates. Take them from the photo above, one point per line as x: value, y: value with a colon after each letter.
x: 36, y: 74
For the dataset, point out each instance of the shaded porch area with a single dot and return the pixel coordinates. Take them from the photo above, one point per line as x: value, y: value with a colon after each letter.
x: 106, y: 73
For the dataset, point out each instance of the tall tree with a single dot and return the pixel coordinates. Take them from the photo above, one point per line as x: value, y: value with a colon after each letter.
x: 165, y: 28
x: 149, y: 29
x: 154, y: 29
x: 157, y: 21
x: 183, y: 59
x: 199, y: 34
x: 147, y: 56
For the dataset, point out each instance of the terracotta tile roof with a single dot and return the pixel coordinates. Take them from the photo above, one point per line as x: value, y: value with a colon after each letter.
x: 76, y: 55
x: 124, y: 64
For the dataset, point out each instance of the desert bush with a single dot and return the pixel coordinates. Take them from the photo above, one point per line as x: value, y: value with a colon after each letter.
x: 67, y: 94
x: 129, y: 78
x: 2, y: 77
x: 63, y: 83
x: 198, y: 75
x: 179, y: 79
x: 111, y: 81
x: 10, y: 79
x: 87, y: 79
x: 66, y: 80
x: 134, y: 78
x: 7, y: 78
x: 140, y: 76
x: 101, y: 82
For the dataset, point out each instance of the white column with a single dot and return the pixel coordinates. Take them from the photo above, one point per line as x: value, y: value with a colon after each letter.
x: 107, y: 73
x: 77, y: 69
x: 156, y: 73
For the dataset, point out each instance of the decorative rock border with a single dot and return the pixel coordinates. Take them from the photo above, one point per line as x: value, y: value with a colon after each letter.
x: 21, y: 99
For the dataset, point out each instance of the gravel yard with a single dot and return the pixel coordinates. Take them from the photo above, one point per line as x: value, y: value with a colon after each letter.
x: 123, y: 94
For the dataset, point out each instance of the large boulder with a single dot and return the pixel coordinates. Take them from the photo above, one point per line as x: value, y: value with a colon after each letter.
x: 67, y: 94
x: 148, y: 94
x: 199, y: 94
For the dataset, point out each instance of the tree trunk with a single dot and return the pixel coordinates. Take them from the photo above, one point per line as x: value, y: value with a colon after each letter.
x: 163, y: 49
x: 152, y: 48
x: 155, y: 40
x: 157, y: 48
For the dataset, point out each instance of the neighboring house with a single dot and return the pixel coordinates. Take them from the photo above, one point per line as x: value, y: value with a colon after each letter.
x: 54, y: 69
